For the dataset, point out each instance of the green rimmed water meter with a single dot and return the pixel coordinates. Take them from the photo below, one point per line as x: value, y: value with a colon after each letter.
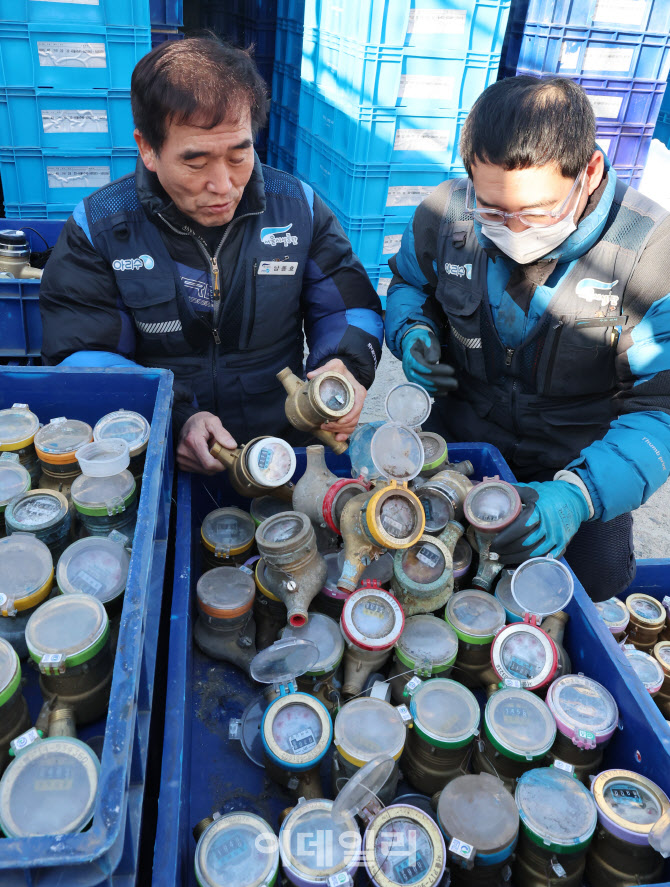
x: 14, y: 716
x: 476, y: 617
x: 427, y: 646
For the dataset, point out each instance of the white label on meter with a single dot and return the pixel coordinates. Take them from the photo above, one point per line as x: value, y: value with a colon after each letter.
x: 622, y: 12
x: 608, y: 58
x: 562, y: 765
x: 19, y: 406
x: 392, y: 244
x: 72, y: 121
x: 421, y: 140
x: 71, y: 55
x: 302, y: 741
x: 78, y: 176
x: 383, y: 285
x: 428, y: 557
x: 436, y: 21
x: 282, y: 268
x: 460, y: 848
x: 606, y: 105
x: 426, y: 86
x: 407, y: 195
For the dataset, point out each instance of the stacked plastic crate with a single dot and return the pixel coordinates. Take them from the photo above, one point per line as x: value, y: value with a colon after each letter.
x: 286, y: 80
x: 167, y: 16
x: 66, y: 126
x: 662, y: 131
x: 386, y: 87
x: 618, y: 50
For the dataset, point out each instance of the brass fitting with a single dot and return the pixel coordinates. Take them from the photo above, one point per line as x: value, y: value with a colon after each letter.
x: 240, y: 477
x: 308, y: 405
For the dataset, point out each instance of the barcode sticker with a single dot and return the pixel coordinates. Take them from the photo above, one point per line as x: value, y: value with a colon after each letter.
x: 622, y: 12
x: 425, y: 86
x: 302, y: 741
x: 607, y: 106
x: 436, y: 21
x: 78, y: 176
x: 73, y: 121
x: 71, y: 55
x: 407, y: 195
x: 392, y: 244
x: 421, y: 140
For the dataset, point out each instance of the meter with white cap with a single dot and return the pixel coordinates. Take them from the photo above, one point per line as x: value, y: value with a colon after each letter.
x: 365, y: 728
x: 68, y: 638
x: 389, y: 516
x: 14, y: 480
x: 131, y: 427
x: 325, y: 633
x: 489, y: 507
x: 51, y: 787
x: 372, y: 621
x: 522, y: 655
x: 26, y: 567
x: 56, y: 445
x: 427, y: 646
x: 296, y: 729
x: 227, y: 535
x: 558, y: 820
x: 629, y: 807
x: 14, y: 715
x: 235, y: 849
x: 445, y: 722
x: 105, y: 494
x: 18, y: 427
x: 586, y: 716
x: 476, y: 617
x: 615, y: 615
x: 519, y: 731
x: 647, y: 668
x: 480, y: 822
x: 262, y: 465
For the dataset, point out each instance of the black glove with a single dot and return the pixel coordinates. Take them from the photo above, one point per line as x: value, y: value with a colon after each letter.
x: 421, y: 354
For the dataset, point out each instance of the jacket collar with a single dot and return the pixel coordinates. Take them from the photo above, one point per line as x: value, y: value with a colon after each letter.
x: 155, y: 200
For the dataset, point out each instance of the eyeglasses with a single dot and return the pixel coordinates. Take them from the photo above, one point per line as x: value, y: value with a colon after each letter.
x: 532, y: 218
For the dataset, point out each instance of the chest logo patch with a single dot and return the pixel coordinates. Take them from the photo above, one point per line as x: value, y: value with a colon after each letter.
x: 133, y: 264
x: 599, y: 291
x: 458, y: 270
x: 275, y: 236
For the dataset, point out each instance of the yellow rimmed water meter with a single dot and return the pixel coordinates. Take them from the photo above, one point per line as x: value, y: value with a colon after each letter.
x: 14, y: 716
x: 320, y: 679
x: 225, y: 628
x: 426, y: 647
x: 296, y: 729
x: 227, y: 536
x: 476, y: 617
x: 629, y: 807
x: 390, y: 516
x: 131, y: 427
x: 489, y: 507
x: 235, y: 848
x: 68, y: 638
x: 445, y: 718
x: 365, y: 728
x: 50, y: 788
x: 18, y: 427
x: 56, y: 445
x: 519, y: 731
x: 14, y: 480
x: 26, y: 567
x: 480, y: 822
x: 264, y: 465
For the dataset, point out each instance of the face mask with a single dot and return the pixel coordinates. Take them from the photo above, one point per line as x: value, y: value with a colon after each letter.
x: 527, y: 246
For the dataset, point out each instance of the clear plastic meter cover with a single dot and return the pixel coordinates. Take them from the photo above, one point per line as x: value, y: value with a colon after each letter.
x: 427, y: 642
x: 646, y: 668
x: 14, y: 480
x: 542, y: 586
x: 36, y: 510
x: 423, y: 563
x: 325, y: 633
x: 17, y: 426
x: 311, y: 826
x: 271, y: 462
x: 60, y: 438
x: 437, y: 507
x: 26, y: 566
x: 49, y: 789
x: 225, y: 592
x: 476, y: 616
x: 372, y: 619
x: 408, y: 404
x: 104, y: 458
x: 10, y: 671
x: 492, y: 505
x: 479, y: 810
x: 263, y: 507
x: 556, y: 809
x: 524, y: 653
x: 334, y: 394
x: 519, y: 724
x: 363, y: 787
x: 97, y: 494
x: 127, y: 425
x: 284, y: 661
x: 445, y: 711
x: 359, y: 451
x: 228, y: 529
x: 410, y: 830
x: 614, y: 614
x: 396, y: 452
x: 582, y: 706
x: 239, y: 849
x: 366, y: 727
x: 74, y: 625
x: 95, y: 566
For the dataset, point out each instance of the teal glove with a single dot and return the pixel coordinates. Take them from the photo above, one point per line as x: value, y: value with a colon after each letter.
x: 420, y: 361
x: 553, y: 512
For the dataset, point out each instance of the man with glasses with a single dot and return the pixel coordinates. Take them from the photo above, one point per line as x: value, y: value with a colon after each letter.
x: 536, y: 294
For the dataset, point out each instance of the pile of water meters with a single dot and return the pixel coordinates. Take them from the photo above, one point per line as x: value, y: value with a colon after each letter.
x: 68, y: 505
x: 418, y: 701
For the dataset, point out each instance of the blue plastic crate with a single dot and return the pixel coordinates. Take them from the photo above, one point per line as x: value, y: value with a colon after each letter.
x: 121, y: 13
x: 169, y: 13
x: 563, y: 49
x: 370, y: 75
x: 106, y: 855
x: 653, y: 15
x: 631, y: 176
x: 281, y: 159
x: 74, y: 120
x: 625, y: 146
x: 374, y: 239
x: 41, y: 211
x: 286, y: 85
x: 662, y: 130
x: 262, y: 37
x: 292, y: 10
x: 431, y: 25
x: 283, y: 128
x: 288, y: 44
x: 47, y: 176
x: 380, y: 278
x: 20, y: 321
x: 163, y: 35
x: 62, y: 58
x: 373, y: 189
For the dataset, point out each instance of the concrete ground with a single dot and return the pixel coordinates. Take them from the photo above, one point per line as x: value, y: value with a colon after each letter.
x: 650, y: 522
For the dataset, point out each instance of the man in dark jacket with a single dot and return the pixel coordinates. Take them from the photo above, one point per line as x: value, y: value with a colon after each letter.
x: 536, y: 294
x: 209, y: 264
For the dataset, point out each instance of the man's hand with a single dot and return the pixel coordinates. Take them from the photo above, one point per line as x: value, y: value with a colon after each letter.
x: 344, y: 426
x: 421, y: 362
x: 198, y: 434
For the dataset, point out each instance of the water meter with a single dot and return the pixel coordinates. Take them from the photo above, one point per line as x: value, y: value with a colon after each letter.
x: 236, y: 848
x: 489, y: 507
x: 45, y: 514
x: 14, y: 716
x: 503, y: 593
x: 542, y: 586
x: 647, y: 620
x: 225, y: 627
x: 131, y: 427
x: 647, y: 669
x: 14, y: 480
x: 476, y: 617
x: 264, y: 465
x: 325, y: 633
x: 403, y: 845
x: 97, y: 566
x: 372, y: 621
x: 227, y: 535
x: 427, y: 646
x: 614, y: 613
x: 327, y: 397
x: 18, y: 427
x: 662, y: 656
x: 106, y: 503
x: 26, y: 567
x: 435, y: 452
x: 423, y: 579
x: 524, y: 656
x: 56, y: 445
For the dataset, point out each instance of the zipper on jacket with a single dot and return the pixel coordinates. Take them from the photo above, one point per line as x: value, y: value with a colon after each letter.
x: 558, y: 329
x: 509, y: 354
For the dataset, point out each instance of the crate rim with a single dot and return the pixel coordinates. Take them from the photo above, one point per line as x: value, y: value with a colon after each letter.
x: 76, y: 849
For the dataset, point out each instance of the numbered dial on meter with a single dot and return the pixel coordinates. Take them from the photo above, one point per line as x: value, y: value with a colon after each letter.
x: 239, y: 849
x: 372, y: 619
x: 403, y: 845
x: 628, y: 802
x: 523, y: 655
x: 492, y: 505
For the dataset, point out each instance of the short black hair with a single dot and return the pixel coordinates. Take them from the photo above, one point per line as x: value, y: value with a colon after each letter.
x: 198, y: 80
x: 526, y: 121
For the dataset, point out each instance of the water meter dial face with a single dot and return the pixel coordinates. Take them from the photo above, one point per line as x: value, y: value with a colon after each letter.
x: 405, y: 850
x: 632, y: 802
x: 296, y: 729
x: 491, y: 506
x: 647, y: 669
x: 334, y: 394
x: 423, y: 563
x: 462, y: 557
x: 646, y: 608
x: 437, y: 507
x: 629, y: 804
x: 239, y: 849
x: 614, y: 614
x: 307, y: 830
x: 37, y: 510
x: 397, y: 517
x: 228, y: 530
x: 434, y: 449
x: 271, y: 462
x: 282, y: 528
x: 94, y: 566
x: 372, y: 619
x: 523, y: 655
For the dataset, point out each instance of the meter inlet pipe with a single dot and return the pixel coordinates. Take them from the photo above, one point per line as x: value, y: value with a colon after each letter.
x: 295, y: 572
x: 242, y: 479
x: 325, y: 398
x: 320, y: 494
